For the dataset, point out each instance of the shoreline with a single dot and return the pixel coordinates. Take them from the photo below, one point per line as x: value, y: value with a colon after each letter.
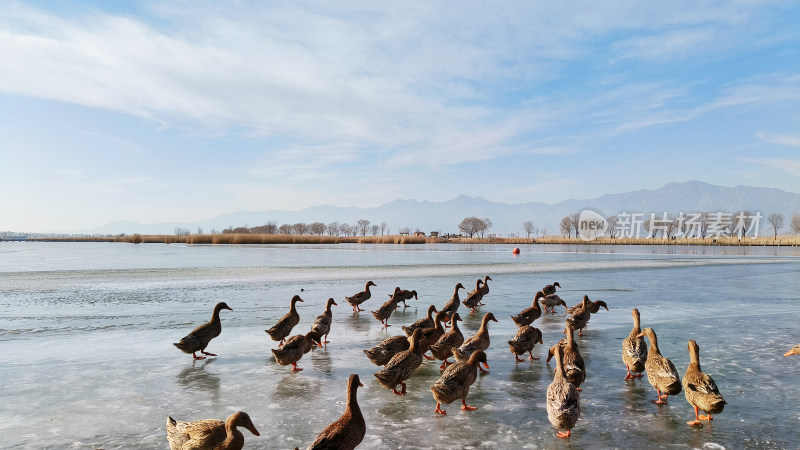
x: 242, y: 238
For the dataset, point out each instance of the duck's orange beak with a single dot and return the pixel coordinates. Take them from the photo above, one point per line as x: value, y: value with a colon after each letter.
x: 486, y: 365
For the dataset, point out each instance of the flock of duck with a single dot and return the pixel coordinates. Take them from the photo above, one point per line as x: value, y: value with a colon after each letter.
x: 401, y: 355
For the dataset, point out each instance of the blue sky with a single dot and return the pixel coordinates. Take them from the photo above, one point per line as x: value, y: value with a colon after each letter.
x: 182, y: 111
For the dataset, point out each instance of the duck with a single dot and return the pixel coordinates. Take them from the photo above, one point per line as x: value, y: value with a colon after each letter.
x: 794, y: 351
x: 549, y: 301
x: 528, y: 315
x: 485, y: 286
x: 594, y: 307
x: 455, y: 382
x: 563, y: 399
x: 478, y: 341
x: 661, y: 373
x: 209, y: 434
x: 383, y: 352
x: 452, y: 305
x: 526, y: 337
x: 385, y: 311
x: 400, y: 367
x: 360, y: 297
x: 550, y: 288
x: 427, y: 322
x: 431, y: 335
x: 283, y: 327
x: 322, y: 324
x: 348, y: 430
x: 634, y: 350
x: 573, y: 364
x: 443, y: 348
x: 474, y: 297
x: 700, y: 389
x: 198, y: 339
x: 294, y: 349
x: 580, y: 318
x: 405, y: 294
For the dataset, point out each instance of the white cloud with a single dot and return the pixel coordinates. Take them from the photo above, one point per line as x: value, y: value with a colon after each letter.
x: 790, y: 166
x: 780, y: 139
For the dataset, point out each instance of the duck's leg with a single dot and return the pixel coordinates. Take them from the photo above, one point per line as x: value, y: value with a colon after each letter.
x: 429, y: 358
x: 629, y: 376
x: 439, y: 410
x: 197, y: 357
x: 295, y: 368
x: 326, y: 341
x: 660, y: 401
x: 562, y: 434
x: 703, y: 416
x: 465, y: 407
x: 517, y: 358
x: 532, y: 357
x: 445, y: 363
x: 696, y: 420
x: 206, y: 353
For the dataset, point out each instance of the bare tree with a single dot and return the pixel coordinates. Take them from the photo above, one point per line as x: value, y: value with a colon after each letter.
x: 333, y: 229
x: 704, y: 223
x: 179, y: 231
x: 383, y: 228
x: 776, y: 220
x: 199, y: 230
x: 612, y: 226
x: 363, y: 226
x: 566, y: 226
x: 473, y: 225
x: 487, y: 224
x: 528, y: 227
x: 375, y: 229
x: 795, y: 223
x: 405, y: 230
x: 285, y: 229
x: 544, y: 232
x: 317, y: 228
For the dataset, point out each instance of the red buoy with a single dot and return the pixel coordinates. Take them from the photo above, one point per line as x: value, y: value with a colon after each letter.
x: 515, y: 251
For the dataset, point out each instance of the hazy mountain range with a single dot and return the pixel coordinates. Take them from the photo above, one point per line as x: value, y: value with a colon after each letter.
x: 444, y: 217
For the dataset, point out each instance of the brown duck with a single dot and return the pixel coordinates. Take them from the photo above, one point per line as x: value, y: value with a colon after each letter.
x: 574, y: 366
x: 474, y: 297
x: 405, y: 294
x: 431, y: 335
x: 528, y: 315
x: 634, y: 350
x: 385, y: 311
x: 580, y: 318
x: 360, y: 297
x: 443, y: 348
x: 427, y: 322
x: 661, y: 373
x: 209, y: 434
x: 563, y: 399
x: 400, y: 367
x: 349, y: 430
x: 452, y: 305
x: 550, y: 288
x: 283, y: 327
x: 455, y: 382
x: 479, y: 341
x: 549, y: 301
x: 700, y: 389
x: 322, y: 324
x: 294, y: 349
x: 526, y: 337
x: 383, y: 352
x: 198, y: 339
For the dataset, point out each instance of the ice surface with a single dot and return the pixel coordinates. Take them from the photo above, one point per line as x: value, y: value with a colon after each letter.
x: 86, y: 355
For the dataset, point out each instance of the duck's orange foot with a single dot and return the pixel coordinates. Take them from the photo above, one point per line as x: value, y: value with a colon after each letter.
x: 660, y: 402
x: 295, y: 368
x: 429, y: 358
x: 209, y: 354
x: 563, y: 434
x: 517, y: 358
x: 579, y: 389
x: 694, y: 423
x: 465, y: 407
x: 440, y: 410
x: 198, y: 357
x: 534, y: 358
x: 705, y: 417
x: 630, y: 376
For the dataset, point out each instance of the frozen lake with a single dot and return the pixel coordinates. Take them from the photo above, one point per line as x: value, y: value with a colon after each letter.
x: 87, y: 361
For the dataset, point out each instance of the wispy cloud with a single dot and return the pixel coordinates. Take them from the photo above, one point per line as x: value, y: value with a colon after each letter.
x: 790, y: 166
x: 780, y: 139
